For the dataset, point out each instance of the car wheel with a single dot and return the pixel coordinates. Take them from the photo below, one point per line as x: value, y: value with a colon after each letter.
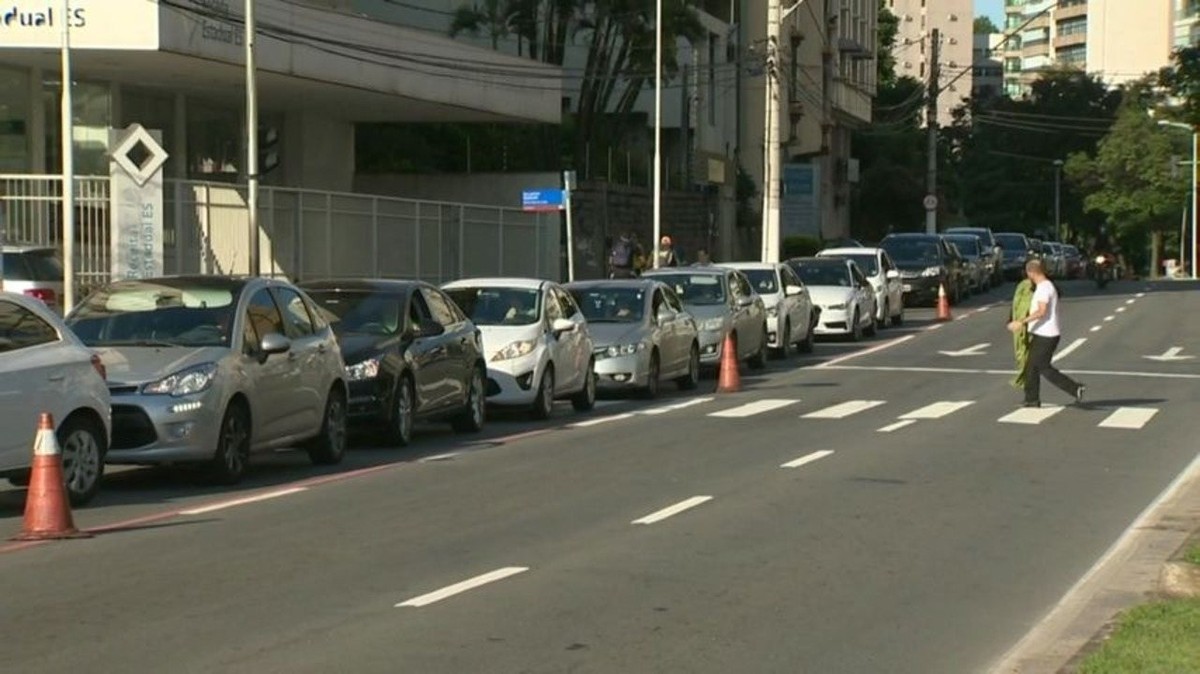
x: 543, y: 404
x: 233, y: 446
x: 329, y: 447
x: 785, y: 342
x: 82, y: 446
x: 691, y: 380
x: 585, y: 400
x: 759, y: 360
x: 470, y: 420
x: 806, y: 346
x: 651, y: 389
x: 403, y: 413
x: 856, y: 331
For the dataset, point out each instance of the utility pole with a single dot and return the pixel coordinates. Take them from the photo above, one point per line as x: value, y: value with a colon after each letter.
x: 771, y: 158
x: 931, y: 122
x: 658, y: 85
x: 685, y: 128
x: 251, y: 141
x: 67, y: 140
x: 1058, y: 231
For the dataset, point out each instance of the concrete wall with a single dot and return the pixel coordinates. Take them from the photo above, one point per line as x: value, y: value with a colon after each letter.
x: 317, y: 152
x: 1115, y: 26
x: 493, y: 189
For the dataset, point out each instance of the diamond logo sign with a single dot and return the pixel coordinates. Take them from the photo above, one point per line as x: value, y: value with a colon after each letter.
x: 139, y: 155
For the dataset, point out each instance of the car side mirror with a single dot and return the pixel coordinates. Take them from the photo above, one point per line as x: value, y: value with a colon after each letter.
x: 561, y: 325
x: 745, y: 301
x: 274, y: 343
x: 792, y: 290
x: 892, y: 274
x: 430, y: 328
x: 665, y: 315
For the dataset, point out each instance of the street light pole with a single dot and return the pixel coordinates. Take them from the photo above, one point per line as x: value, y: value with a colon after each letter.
x: 658, y: 72
x: 1058, y: 165
x: 1195, y: 145
x: 67, y: 139
x: 252, y: 141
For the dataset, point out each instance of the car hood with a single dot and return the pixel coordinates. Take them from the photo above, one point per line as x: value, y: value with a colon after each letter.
x: 357, y: 347
x: 496, y: 337
x: 703, y: 312
x: 827, y: 295
x: 610, y: 334
x: 144, y: 364
x: 915, y: 266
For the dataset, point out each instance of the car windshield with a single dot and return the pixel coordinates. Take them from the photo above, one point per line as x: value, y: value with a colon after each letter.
x: 361, y: 312
x: 966, y: 231
x: 967, y: 245
x: 1012, y: 242
x: 611, y: 305
x: 149, y: 313
x: 912, y: 251
x: 764, y: 281
x: 696, y: 289
x: 499, y: 306
x: 824, y: 274
x: 865, y: 261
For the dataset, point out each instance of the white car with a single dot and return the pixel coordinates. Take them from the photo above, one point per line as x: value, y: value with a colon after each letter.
x: 44, y: 367
x: 791, y: 316
x: 842, y: 292
x: 885, y: 279
x: 535, y: 340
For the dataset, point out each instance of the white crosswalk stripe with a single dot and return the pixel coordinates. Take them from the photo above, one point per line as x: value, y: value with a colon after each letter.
x: 843, y: 410
x: 897, y: 426
x: 751, y: 409
x: 1031, y: 415
x: 937, y: 410
x: 1129, y: 418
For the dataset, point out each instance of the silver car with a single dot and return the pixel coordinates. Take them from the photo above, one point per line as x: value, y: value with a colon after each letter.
x: 210, y: 369
x: 724, y: 303
x: 641, y: 333
x: 33, y: 271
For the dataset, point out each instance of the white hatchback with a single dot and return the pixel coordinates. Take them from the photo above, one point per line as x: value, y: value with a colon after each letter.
x: 535, y: 339
x: 881, y: 271
x: 44, y: 367
x: 791, y: 316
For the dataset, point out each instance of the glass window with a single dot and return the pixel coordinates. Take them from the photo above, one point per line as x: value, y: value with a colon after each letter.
x: 823, y: 274
x: 295, y: 315
x: 913, y: 251
x: 213, y: 143
x: 418, y: 311
x: 439, y: 307
x: 264, y: 315
x: 20, y: 328
x: 672, y: 299
x: 611, y: 305
x: 695, y: 289
x: 170, y: 312
x: 367, y: 313
x: 15, y: 108
x: 743, y: 286
x: 553, y: 308
x: 499, y: 306
x: 763, y: 280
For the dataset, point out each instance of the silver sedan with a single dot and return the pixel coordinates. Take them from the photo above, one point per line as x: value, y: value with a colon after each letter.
x: 641, y: 334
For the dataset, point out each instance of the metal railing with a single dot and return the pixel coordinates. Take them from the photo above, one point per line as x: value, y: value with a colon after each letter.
x: 304, y: 234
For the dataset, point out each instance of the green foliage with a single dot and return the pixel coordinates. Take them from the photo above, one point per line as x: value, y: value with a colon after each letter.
x: 1182, y: 81
x: 1156, y: 637
x: 799, y: 246
x: 985, y: 26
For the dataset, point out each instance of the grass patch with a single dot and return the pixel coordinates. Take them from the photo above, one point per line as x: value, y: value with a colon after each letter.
x: 1193, y: 555
x: 1157, y: 638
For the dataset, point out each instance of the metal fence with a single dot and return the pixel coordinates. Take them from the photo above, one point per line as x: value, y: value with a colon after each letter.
x: 303, y: 234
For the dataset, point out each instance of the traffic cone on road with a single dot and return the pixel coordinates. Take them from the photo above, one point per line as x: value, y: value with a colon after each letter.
x: 730, y: 380
x: 47, y: 509
x: 943, y: 304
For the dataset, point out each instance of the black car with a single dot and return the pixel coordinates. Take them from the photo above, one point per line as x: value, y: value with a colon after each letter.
x: 926, y: 262
x: 992, y: 255
x: 410, y: 352
x: 1018, y: 249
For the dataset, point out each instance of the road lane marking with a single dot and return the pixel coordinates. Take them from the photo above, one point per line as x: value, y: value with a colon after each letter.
x: 935, y: 326
x: 1009, y: 373
x: 864, y: 352
x: 807, y: 458
x: 1095, y: 328
x: 897, y: 426
x: 1130, y: 418
x: 1069, y: 350
x: 1031, y: 415
x: 675, y: 406
x: 459, y: 588
x: 1140, y: 295
x: 601, y: 420
x: 663, y: 514
x: 843, y: 410
x: 1130, y: 301
x: 243, y: 501
x: 1120, y: 310
x: 750, y: 409
x: 439, y: 457
x: 936, y: 410
x: 980, y: 310
x: 1108, y: 318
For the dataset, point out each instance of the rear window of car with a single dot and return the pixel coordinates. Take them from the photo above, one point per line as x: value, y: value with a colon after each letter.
x: 38, y: 265
x: 1012, y: 241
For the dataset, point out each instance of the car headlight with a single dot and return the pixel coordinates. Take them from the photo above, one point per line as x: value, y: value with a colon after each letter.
x: 932, y: 271
x: 713, y: 324
x: 185, y: 382
x: 836, y: 307
x: 515, y: 350
x: 1099, y: 259
x: 367, y: 369
x: 773, y: 311
x: 617, y: 350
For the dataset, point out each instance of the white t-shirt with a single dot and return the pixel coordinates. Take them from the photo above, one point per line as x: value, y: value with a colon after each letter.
x: 1046, y: 326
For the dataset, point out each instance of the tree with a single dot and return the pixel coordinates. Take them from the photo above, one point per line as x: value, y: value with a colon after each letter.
x: 985, y: 26
x: 1182, y: 80
x: 495, y: 17
x: 1133, y: 178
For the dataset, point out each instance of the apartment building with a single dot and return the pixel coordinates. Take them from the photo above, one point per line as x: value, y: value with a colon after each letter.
x: 1117, y: 40
x: 953, y: 19
x: 987, y: 66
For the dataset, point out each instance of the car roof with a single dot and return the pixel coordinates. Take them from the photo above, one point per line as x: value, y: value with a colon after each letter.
x: 964, y: 230
x: 690, y: 271
x: 614, y: 283
x: 748, y: 265
x: 498, y: 282
x: 28, y: 248
x: 833, y: 252
x: 363, y: 284
x: 200, y: 280
x: 827, y: 260
x: 911, y: 235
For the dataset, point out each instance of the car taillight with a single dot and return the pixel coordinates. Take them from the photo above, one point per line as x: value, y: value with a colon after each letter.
x: 99, y: 365
x: 46, y: 295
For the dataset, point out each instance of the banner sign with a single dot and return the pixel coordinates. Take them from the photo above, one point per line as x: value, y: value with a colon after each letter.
x: 136, y: 202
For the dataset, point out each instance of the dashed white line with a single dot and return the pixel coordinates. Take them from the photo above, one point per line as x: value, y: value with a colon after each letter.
x: 897, y: 426
x: 675, y: 406
x: 807, y: 458
x: 663, y: 514
x: 1130, y: 301
x: 601, y: 420
x: 1130, y: 418
x: 1031, y: 415
x: 843, y: 410
x: 1109, y: 318
x: 243, y: 501
x: 439, y: 457
x: 935, y: 326
x: 750, y: 409
x: 1094, y: 328
x: 1140, y: 295
x: 1070, y: 348
x: 936, y: 410
x: 459, y: 588
x: 1120, y: 310
x: 864, y: 352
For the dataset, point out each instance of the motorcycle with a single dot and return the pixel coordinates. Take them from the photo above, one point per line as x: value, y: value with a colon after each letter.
x: 1104, y: 269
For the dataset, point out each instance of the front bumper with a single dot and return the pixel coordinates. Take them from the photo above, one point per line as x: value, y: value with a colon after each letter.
x: 153, y: 429
x: 774, y: 334
x: 514, y: 382
x: 833, y: 322
x: 623, y: 372
x: 368, y: 401
x: 920, y: 288
x: 710, y: 346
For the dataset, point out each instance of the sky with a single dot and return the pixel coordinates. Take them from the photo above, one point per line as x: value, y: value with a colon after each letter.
x: 992, y: 8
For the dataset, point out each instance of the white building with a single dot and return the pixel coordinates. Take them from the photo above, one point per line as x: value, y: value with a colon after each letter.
x: 954, y: 20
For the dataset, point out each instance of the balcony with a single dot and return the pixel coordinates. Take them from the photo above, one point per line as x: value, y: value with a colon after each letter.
x: 1070, y: 40
x: 1070, y: 10
x: 1035, y: 49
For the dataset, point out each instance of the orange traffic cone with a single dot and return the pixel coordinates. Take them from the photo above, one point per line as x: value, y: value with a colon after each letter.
x: 47, y: 510
x: 943, y: 304
x: 729, y: 381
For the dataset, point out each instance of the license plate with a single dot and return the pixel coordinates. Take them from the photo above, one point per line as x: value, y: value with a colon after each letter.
x: 907, y: 288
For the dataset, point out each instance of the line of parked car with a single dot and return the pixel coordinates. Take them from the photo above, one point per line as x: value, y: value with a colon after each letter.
x: 211, y: 370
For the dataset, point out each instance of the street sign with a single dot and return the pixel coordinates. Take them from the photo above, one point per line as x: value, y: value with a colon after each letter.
x: 930, y: 202
x: 549, y: 199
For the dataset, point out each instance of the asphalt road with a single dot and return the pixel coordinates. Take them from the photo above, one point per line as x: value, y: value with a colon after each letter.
x: 813, y: 530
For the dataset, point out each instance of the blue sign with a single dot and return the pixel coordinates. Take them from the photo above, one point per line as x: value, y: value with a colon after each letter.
x: 800, y: 210
x: 542, y: 200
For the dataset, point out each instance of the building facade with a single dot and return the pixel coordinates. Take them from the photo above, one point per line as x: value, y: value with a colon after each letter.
x: 988, y: 66
x: 954, y: 20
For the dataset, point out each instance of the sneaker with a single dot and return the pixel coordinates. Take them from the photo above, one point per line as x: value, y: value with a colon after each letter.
x: 1079, y: 391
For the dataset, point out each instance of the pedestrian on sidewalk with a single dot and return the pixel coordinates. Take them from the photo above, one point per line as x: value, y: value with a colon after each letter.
x: 1022, y: 302
x: 1042, y: 324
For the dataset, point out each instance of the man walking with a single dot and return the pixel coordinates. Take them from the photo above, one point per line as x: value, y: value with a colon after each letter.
x: 1044, y: 333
